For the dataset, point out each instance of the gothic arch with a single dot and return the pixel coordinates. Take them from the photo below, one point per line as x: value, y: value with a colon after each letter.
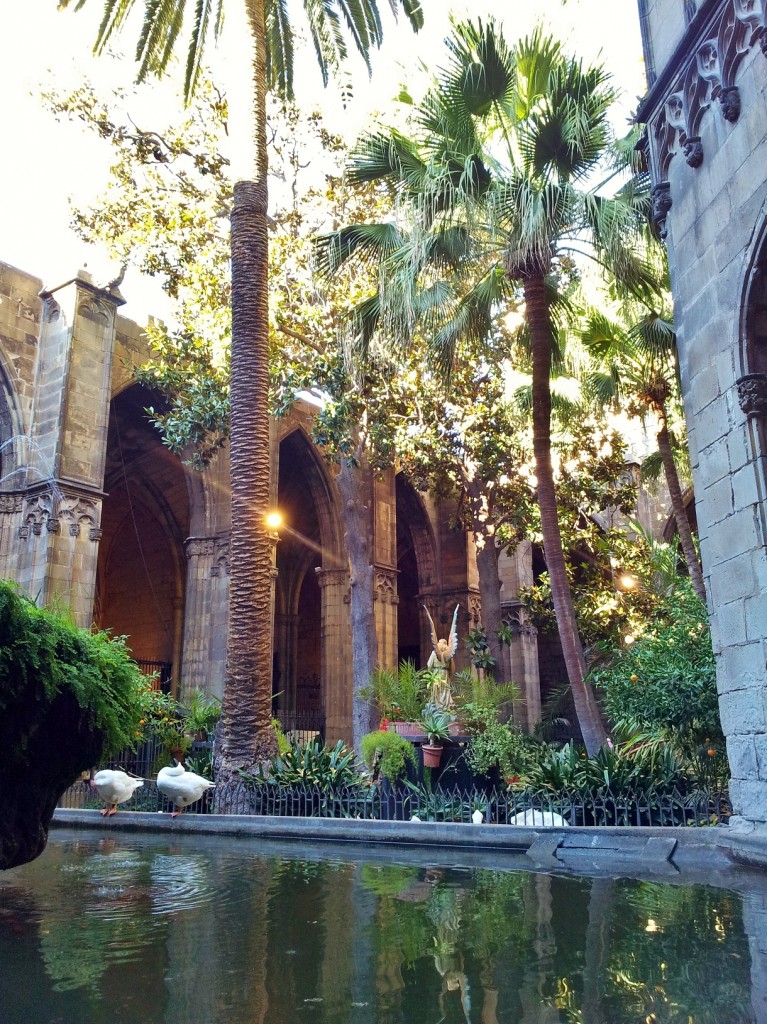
x: 417, y: 567
x: 752, y: 384
x: 753, y: 307
x: 321, y: 491
x: 10, y: 427
x: 310, y: 542
x: 141, y: 576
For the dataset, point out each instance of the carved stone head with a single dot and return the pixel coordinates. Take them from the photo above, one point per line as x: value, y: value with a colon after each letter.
x: 675, y: 110
x: 708, y: 60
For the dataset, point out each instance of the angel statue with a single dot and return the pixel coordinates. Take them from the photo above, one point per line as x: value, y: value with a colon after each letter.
x: 441, y: 662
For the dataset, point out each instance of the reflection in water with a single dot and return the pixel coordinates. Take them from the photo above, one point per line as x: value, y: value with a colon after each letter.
x: 164, y: 931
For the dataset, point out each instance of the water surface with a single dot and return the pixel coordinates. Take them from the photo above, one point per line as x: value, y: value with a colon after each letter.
x: 133, y: 929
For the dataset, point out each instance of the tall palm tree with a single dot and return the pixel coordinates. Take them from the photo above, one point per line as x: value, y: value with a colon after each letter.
x: 498, y: 183
x: 640, y: 363
x: 265, y: 32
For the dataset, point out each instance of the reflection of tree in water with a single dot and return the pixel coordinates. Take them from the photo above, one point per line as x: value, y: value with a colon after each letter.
x: 538, y: 949
x: 678, y: 955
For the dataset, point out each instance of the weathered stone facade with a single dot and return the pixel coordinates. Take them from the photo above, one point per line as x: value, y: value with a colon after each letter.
x: 707, y: 135
x: 96, y: 512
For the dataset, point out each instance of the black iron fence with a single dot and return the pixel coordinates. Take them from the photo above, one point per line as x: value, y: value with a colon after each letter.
x: 302, y: 726
x: 162, y: 669
x: 403, y: 803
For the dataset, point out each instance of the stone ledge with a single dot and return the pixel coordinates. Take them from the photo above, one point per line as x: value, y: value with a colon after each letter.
x: 613, y: 847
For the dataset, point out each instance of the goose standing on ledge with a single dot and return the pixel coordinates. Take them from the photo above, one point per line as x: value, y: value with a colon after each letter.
x: 181, y: 787
x: 114, y: 787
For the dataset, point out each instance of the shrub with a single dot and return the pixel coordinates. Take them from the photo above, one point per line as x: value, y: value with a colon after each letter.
x: 398, y: 696
x: 665, y: 682
x: 43, y: 654
x: 499, y: 746
x: 327, y: 768
x: 389, y: 752
x: 68, y: 698
x: 479, y: 700
x: 620, y: 768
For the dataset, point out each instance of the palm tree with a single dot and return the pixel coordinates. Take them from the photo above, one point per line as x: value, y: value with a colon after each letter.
x: 266, y: 33
x: 641, y: 362
x: 497, y: 185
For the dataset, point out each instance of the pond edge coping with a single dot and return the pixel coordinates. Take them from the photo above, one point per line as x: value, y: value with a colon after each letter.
x: 662, y: 849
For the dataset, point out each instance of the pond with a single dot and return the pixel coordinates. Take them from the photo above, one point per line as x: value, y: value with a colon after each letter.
x: 203, y: 931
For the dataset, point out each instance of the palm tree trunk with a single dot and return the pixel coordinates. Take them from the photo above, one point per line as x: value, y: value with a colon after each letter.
x: 539, y: 324
x: 677, y: 507
x: 353, y: 482
x: 247, y: 705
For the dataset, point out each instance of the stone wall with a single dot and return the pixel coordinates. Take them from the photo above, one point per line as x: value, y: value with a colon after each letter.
x: 708, y: 142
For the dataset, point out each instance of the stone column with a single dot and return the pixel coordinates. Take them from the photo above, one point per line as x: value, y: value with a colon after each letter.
x: 60, y: 520
x: 11, y: 508
x: 516, y: 571
x: 207, y: 586
x: 336, y: 654
x: 386, y: 616
x: 385, y: 562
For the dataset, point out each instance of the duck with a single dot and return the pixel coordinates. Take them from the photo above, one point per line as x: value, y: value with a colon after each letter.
x: 538, y: 819
x: 181, y: 787
x: 114, y: 787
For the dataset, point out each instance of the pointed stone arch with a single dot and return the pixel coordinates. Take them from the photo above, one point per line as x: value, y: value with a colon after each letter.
x: 308, y: 666
x: 142, y: 567
x: 751, y: 385
x: 417, y: 565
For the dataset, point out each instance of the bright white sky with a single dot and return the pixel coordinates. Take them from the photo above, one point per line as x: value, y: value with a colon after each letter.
x: 46, y: 164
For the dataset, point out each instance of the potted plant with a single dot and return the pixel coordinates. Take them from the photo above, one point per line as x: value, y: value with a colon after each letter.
x: 387, y: 753
x: 202, y: 715
x: 399, y: 697
x: 436, y: 724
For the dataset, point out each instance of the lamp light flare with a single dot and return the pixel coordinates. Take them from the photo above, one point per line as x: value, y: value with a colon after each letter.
x: 274, y: 520
x: 628, y: 582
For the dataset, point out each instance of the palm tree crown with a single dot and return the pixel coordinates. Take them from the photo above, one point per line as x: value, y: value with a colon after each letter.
x: 499, y: 188
x: 330, y: 23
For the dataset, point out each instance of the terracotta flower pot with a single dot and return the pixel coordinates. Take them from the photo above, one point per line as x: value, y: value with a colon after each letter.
x: 432, y: 755
x: 410, y: 730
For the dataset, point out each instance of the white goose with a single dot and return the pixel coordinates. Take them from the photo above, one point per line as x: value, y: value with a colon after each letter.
x: 181, y: 787
x: 114, y: 787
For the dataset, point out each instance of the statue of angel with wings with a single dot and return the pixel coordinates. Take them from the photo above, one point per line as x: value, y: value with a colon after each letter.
x: 441, y: 661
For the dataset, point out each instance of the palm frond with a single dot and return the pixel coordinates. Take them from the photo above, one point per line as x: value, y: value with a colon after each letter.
x: 413, y: 12
x: 279, y: 49
x: 370, y: 243
x: 162, y: 24
x: 205, y: 12
x: 393, y: 158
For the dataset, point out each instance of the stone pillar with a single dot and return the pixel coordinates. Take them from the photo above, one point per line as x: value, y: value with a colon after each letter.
x: 336, y: 654
x: 11, y: 508
x: 386, y: 616
x: 207, y: 588
x: 385, y: 562
x: 516, y: 571
x: 61, y: 515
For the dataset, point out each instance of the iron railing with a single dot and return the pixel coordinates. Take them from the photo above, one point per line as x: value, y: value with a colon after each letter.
x: 402, y: 803
x: 302, y: 727
x: 162, y: 669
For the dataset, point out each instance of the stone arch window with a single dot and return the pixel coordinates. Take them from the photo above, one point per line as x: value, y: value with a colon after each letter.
x: 752, y: 384
x: 10, y: 454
